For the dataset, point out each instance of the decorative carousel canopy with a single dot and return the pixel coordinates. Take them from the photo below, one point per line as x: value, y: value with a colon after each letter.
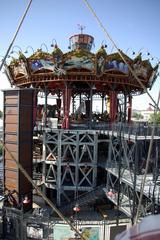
x: 81, y: 68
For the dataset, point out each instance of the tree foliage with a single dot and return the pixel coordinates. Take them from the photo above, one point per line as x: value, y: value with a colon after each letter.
x: 1, y: 114
x: 155, y: 117
x: 137, y: 115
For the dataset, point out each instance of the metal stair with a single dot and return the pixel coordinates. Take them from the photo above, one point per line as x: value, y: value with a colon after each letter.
x: 85, y: 199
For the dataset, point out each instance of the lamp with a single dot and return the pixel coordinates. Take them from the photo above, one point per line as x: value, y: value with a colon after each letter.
x: 133, y: 52
x: 103, y: 44
x: 43, y: 44
x: 54, y: 42
x: 29, y: 47
x: 16, y: 46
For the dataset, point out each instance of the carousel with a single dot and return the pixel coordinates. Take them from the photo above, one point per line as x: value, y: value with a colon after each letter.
x: 83, y: 75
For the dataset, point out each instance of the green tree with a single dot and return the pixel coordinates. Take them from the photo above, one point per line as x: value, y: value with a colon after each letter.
x: 137, y: 115
x: 155, y: 117
x: 1, y: 114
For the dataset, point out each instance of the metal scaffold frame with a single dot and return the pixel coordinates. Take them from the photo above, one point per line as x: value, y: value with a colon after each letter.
x: 70, y: 161
x: 120, y: 151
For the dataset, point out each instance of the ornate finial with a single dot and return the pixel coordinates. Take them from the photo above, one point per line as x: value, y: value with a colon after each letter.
x: 81, y: 28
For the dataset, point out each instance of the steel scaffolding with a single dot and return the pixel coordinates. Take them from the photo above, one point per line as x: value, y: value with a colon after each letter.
x: 75, y: 162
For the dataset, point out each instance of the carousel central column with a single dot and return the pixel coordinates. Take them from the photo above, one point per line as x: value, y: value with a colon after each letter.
x: 113, y: 106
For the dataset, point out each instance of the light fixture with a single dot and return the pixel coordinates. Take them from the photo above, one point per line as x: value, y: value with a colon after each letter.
x: 133, y: 52
x: 54, y: 42
x: 43, y: 44
x: 103, y: 44
x: 29, y: 47
x: 16, y: 46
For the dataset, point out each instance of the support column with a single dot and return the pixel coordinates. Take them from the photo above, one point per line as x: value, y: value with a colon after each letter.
x: 58, y: 100
x: 45, y: 109
x: 80, y: 99
x: 125, y: 107
x: 73, y: 104
x: 44, y: 153
x: 95, y: 149
x: 44, y: 142
x: 59, y: 145
x: 66, y: 106
x: 129, y: 108
x: 102, y: 104
x: 87, y: 103
x: 113, y: 106
x: 90, y: 110
x: 136, y: 167
x: 34, y: 108
x: 77, y: 165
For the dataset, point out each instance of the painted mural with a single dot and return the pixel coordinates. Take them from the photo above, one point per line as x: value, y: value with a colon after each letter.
x: 20, y: 69
x: 79, y: 63
x: 140, y: 70
x: 116, y: 65
x: 101, y: 61
x: 39, y: 64
x: 64, y: 233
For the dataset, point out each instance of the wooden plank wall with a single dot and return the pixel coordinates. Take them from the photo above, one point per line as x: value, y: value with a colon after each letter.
x: 18, y: 135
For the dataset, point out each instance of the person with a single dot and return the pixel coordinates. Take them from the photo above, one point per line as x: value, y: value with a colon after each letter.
x: 111, y: 193
x: 148, y: 228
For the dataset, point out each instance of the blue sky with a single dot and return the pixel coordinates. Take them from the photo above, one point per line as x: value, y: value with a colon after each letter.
x: 132, y: 25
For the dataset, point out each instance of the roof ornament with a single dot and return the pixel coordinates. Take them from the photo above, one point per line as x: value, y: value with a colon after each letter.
x: 81, y: 27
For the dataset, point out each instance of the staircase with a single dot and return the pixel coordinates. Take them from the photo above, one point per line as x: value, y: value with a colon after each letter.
x: 85, y: 199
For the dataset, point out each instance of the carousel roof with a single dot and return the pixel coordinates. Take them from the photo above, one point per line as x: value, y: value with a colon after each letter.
x: 106, y: 71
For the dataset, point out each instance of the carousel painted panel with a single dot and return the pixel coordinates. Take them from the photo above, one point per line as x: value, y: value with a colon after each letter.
x: 42, y: 64
x: 20, y: 69
x: 82, y: 62
x: 39, y: 64
x: 117, y: 65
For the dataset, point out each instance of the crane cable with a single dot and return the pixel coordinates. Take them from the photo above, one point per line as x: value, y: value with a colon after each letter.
x: 118, y: 50
x: 156, y: 105
x: 15, y: 35
x: 24, y: 172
